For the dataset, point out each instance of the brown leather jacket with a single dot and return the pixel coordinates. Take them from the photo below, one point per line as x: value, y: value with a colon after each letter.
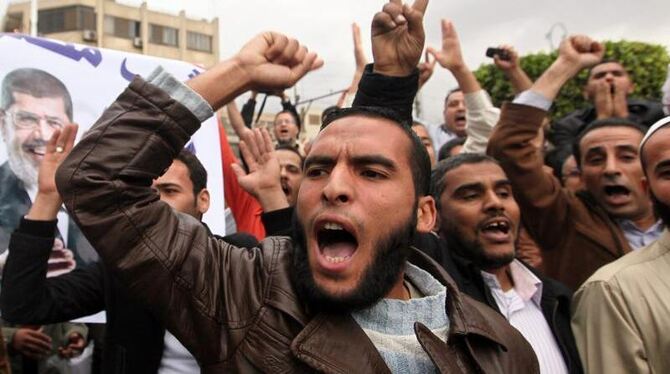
x: 236, y: 309
x: 576, y: 234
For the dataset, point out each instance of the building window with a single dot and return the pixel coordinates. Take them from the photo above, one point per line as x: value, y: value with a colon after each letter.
x: 122, y: 27
x: 66, y: 19
x: 13, y: 22
x: 198, y: 42
x: 163, y: 35
x: 314, y: 119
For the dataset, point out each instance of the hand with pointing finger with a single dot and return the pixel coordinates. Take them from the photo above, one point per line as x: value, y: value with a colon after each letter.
x: 426, y: 69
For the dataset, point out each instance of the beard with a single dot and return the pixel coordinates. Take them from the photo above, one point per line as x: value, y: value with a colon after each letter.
x: 662, y: 210
x: 21, y: 165
x: 390, y: 256
x: 474, y: 250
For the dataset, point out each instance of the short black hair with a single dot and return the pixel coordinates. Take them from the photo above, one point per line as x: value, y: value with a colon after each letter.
x: 605, y: 61
x: 418, y: 156
x: 446, y: 148
x: 556, y: 158
x: 196, y: 171
x: 600, y: 123
x: 34, y: 82
x: 438, y: 176
x: 326, y: 111
x: 292, y: 148
x: 457, y: 89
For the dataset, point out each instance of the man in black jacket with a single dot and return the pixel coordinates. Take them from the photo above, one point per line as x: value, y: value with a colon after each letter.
x: 479, y: 219
x: 135, y: 341
x: 608, y: 90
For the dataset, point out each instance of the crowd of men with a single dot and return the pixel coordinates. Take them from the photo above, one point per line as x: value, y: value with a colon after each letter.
x: 498, y: 241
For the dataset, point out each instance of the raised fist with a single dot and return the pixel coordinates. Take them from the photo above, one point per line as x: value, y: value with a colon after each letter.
x: 581, y: 51
x: 274, y: 61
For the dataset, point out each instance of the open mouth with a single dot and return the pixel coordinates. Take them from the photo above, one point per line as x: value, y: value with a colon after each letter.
x: 285, y: 188
x: 37, y: 150
x: 616, y: 194
x: 460, y: 119
x: 497, y: 230
x: 337, y: 245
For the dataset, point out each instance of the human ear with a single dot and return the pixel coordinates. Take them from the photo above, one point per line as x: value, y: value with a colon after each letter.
x: 426, y: 214
x: 202, y: 201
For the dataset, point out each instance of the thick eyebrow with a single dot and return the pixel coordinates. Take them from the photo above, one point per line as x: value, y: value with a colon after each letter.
x: 167, y: 185
x: 365, y: 160
x: 361, y: 160
x: 503, y: 183
x: 660, y: 165
x: 319, y: 160
x: 598, y: 149
x: 627, y: 147
x: 476, y: 186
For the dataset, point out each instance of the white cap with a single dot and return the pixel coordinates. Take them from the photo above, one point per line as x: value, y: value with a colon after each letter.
x: 655, y: 127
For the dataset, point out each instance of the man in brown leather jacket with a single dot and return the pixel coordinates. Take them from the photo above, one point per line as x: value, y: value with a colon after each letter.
x: 578, y: 232
x: 323, y: 299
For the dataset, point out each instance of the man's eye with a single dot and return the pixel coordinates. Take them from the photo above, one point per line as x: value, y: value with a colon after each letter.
x: 315, y: 172
x: 54, y: 123
x: 372, y: 174
x: 504, y: 194
x: 594, y: 160
x: 27, y: 118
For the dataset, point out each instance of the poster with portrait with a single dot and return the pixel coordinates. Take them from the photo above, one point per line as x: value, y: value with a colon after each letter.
x: 46, y: 83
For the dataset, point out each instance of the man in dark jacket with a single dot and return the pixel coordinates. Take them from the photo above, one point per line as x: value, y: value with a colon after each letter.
x: 607, y: 89
x: 577, y: 232
x: 480, y: 220
x: 334, y: 296
x: 135, y: 341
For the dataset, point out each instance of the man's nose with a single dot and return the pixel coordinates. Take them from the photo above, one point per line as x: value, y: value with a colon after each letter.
x: 338, y: 189
x: 611, y: 167
x: 492, y: 201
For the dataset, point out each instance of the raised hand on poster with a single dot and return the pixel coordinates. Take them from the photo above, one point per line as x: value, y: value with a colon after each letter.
x: 48, y: 201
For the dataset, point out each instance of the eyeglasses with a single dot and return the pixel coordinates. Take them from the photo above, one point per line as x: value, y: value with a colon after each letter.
x: 30, y: 121
x: 284, y: 121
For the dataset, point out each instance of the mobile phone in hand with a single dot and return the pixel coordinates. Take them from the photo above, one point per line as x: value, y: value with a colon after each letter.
x: 501, y: 53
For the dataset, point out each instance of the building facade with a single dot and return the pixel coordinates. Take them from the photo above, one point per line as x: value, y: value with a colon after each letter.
x: 107, y: 24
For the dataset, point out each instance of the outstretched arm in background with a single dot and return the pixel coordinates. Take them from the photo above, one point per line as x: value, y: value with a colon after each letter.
x: 481, y: 115
x: 166, y: 258
x: 539, y: 194
x: 512, y: 69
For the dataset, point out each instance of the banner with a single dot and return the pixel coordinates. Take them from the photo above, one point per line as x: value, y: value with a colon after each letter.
x: 92, y: 78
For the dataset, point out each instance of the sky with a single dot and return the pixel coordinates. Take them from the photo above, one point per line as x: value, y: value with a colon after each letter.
x: 325, y: 27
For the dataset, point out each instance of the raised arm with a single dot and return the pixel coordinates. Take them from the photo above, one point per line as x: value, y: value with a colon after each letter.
x: 361, y: 60
x: 236, y: 120
x: 397, y: 42
x: 481, y: 115
x: 544, y: 203
x: 193, y: 282
x: 512, y: 69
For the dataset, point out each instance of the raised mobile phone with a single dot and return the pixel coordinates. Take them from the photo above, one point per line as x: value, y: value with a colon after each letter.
x: 501, y: 53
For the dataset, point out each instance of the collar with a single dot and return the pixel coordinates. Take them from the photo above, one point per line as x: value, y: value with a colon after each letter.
x: 628, y: 225
x: 526, y: 284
